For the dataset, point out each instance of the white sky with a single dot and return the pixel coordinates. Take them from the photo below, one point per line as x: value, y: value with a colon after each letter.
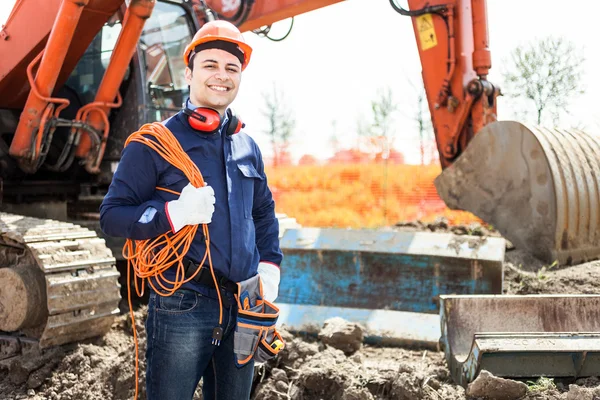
x: 336, y: 58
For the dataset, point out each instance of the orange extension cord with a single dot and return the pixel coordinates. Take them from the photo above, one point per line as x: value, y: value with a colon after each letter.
x: 150, y: 258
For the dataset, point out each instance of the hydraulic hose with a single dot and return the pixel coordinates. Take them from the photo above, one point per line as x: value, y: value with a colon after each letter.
x: 415, y: 13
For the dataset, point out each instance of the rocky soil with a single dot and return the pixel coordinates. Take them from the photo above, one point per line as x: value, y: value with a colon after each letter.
x: 336, y: 365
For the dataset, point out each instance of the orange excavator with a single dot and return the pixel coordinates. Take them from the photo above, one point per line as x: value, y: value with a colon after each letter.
x: 77, y: 77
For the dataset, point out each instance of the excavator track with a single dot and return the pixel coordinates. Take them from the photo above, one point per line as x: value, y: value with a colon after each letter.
x: 58, y: 284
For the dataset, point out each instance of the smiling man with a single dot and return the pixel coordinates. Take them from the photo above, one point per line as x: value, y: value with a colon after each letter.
x: 186, y: 338
x: 208, y: 87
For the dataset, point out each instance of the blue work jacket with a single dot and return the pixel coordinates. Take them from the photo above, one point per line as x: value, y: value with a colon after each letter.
x: 244, y: 229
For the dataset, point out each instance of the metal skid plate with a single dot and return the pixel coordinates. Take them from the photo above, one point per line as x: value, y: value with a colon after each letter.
x: 521, y: 336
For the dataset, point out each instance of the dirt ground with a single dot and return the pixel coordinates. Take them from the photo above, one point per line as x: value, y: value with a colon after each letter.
x: 310, y: 368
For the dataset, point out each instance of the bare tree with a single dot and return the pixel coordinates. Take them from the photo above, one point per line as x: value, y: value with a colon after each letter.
x: 281, y: 122
x: 422, y: 118
x: 381, y: 126
x: 547, y: 72
x: 383, y: 112
x: 381, y: 133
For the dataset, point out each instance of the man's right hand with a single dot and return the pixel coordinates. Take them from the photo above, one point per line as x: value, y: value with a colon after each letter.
x: 194, y: 206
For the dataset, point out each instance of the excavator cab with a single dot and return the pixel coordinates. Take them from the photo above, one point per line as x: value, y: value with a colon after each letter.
x: 155, y: 88
x: 162, y: 42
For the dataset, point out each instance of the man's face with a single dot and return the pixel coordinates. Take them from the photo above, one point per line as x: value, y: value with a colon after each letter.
x: 215, y: 79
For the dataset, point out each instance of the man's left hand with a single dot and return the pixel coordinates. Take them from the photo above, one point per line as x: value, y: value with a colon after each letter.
x: 269, y: 276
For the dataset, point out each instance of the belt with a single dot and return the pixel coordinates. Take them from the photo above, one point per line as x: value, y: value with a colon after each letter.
x: 204, y: 277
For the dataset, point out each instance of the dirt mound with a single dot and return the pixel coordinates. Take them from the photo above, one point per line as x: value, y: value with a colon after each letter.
x: 525, y: 275
x: 307, y: 369
x: 310, y: 369
x: 99, y: 369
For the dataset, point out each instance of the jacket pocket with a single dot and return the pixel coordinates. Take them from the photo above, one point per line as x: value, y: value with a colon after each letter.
x: 175, y: 180
x: 249, y: 177
x: 172, y: 181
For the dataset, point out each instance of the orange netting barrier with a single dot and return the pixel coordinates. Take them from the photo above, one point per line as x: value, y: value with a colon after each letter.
x: 360, y: 195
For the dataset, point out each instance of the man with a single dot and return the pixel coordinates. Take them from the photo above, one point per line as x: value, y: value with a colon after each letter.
x: 236, y: 204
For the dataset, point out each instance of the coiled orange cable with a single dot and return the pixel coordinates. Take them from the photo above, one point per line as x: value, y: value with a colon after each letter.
x: 152, y: 257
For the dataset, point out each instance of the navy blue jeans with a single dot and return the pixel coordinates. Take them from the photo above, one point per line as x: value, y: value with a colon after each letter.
x: 180, y: 349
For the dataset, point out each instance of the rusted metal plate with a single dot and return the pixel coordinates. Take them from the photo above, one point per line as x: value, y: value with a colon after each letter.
x: 521, y: 336
x: 401, y: 271
x: 381, y: 327
x: 538, y: 187
x: 532, y: 355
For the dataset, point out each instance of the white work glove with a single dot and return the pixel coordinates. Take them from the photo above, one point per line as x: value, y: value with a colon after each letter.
x: 269, y: 276
x: 194, y: 206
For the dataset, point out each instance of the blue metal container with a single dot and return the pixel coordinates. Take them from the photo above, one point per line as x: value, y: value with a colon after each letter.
x: 386, y: 270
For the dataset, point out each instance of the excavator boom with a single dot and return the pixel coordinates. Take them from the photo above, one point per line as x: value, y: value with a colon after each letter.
x: 52, y: 51
x: 532, y: 184
x: 461, y: 100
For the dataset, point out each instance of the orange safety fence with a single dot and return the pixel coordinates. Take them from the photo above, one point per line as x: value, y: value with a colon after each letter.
x: 360, y: 195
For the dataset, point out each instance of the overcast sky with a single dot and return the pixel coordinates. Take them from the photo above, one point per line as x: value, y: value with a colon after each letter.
x: 336, y: 58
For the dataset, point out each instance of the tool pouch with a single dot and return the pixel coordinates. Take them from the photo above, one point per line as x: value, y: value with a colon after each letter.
x: 255, y: 334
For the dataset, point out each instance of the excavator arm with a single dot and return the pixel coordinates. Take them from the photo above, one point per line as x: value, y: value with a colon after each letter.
x: 461, y: 99
x: 532, y: 184
x: 35, y: 62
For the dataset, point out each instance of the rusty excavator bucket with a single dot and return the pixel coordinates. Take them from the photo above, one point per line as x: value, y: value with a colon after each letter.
x: 521, y: 336
x: 538, y: 187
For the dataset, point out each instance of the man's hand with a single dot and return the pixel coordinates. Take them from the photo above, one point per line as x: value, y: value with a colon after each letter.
x: 194, y: 206
x: 269, y: 276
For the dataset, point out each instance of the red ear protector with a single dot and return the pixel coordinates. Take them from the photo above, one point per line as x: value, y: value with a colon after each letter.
x: 208, y: 121
x: 203, y: 119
